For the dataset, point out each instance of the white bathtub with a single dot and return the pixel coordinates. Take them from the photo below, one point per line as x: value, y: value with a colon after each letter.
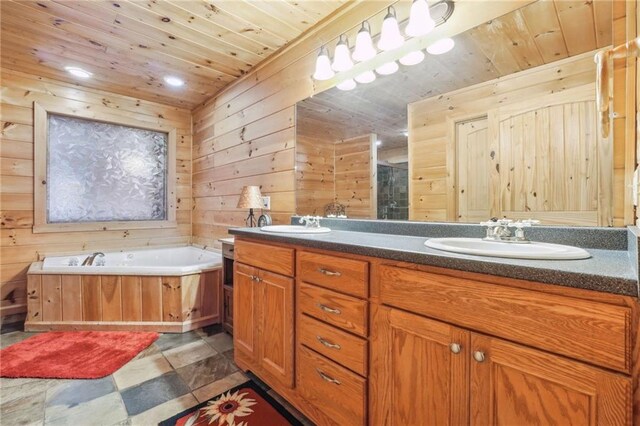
x: 161, y: 261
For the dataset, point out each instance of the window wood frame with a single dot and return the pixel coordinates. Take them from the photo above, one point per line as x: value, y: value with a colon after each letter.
x: 41, y: 147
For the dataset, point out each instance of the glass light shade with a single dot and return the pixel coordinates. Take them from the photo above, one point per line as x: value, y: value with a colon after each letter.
x: 388, y: 68
x: 342, y: 57
x: 364, y: 49
x: 347, y: 85
x: 390, y: 37
x: 441, y: 46
x: 323, y: 66
x: 412, y: 58
x: 420, y: 21
x: 366, y: 77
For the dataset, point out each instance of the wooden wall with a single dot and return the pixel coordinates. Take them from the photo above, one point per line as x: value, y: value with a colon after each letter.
x: 355, y: 181
x: 315, y: 173
x: 20, y: 246
x: 432, y: 180
x: 251, y: 122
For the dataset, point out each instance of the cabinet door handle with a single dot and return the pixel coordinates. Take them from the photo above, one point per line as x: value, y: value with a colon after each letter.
x: 328, y: 309
x: 256, y: 278
x: 328, y: 344
x: 479, y: 356
x: 455, y: 348
x: 328, y: 378
x: 329, y: 273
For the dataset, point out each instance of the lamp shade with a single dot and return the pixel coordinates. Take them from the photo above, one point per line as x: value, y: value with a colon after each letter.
x: 250, y: 198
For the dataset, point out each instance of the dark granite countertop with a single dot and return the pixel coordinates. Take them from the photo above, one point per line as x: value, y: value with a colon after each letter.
x: 610, y: 271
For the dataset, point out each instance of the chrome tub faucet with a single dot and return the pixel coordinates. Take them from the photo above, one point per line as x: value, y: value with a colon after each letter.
x: 89, y: 260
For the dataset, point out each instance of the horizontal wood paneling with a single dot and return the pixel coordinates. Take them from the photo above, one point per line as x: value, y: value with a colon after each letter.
x: 567, y: 82
x: 20, y: 246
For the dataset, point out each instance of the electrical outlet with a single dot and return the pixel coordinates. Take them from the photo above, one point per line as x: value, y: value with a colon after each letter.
x: 266, y: 203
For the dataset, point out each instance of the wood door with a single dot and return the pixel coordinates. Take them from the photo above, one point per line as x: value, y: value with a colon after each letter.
x: 516, y: 385
x: 473, y: 170
x: 416, y: 378
x: 275, y: 326
x: 245, y: 301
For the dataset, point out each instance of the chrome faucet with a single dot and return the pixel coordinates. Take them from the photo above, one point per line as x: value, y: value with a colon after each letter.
x: 89, y: 260
x: 498, y: 230
x: 310, y: 221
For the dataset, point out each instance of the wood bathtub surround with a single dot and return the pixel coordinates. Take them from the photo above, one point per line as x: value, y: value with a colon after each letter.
x: 124, y: 302
x: 445, y: 346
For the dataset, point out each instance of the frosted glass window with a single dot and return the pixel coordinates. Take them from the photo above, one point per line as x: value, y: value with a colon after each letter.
x: 99, y: 172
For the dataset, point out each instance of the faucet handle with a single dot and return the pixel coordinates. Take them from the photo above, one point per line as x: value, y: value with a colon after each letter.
x: 497, y: 222
x: 524, y: 223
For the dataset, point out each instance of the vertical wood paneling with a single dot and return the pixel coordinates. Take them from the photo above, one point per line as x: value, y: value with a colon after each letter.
x: 151, y: 298
x: 91, y: 299
x: 355, y: 176
x: 71, y: 298
x: 131, y: 288
x: 211, y: 288
x: 191, y: 297
x: 171, y: 299
x: 111, y: 298
x: 51, y: 298
x: 34, y: 297
x: 20, y: 245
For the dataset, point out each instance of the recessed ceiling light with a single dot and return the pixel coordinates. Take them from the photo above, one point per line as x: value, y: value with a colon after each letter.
x: 441, y: 46
x: 78, y: 72
x: 173, y: 81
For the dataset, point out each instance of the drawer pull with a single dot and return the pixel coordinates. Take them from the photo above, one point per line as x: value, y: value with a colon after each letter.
x: 329, y: 273
x: 328, y: 344
x: 328, y: 309
x: 328, y: 378
x: 478, y: 356
x: 455, y: 348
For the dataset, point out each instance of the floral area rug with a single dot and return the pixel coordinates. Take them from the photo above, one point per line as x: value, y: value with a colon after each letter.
x: 244, y: 405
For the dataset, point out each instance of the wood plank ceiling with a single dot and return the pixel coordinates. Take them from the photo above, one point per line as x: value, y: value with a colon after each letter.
x: 131, y: 45
x: 537, y: 34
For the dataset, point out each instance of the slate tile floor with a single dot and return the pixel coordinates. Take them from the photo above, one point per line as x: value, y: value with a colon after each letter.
x: 176, y: 372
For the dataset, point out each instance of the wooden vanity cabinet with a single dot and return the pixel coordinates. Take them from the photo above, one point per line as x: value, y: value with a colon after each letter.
x: 443, y: 370
x: 264, y: 317
x: 381, y: 342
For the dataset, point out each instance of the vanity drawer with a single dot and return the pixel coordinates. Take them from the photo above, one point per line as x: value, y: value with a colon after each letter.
x: 593, y: 332
x: 333, y: 390
x: 265, y: 256
x: 337, y: 273
x: 344, y: 348
x: 334, y: 308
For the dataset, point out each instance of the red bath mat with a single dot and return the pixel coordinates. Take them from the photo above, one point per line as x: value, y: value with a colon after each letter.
x: 72, y: 354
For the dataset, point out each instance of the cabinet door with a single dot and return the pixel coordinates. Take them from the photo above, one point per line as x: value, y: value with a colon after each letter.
x: 516, y: 385
x: 245, y: 301
x: 276, y: 326
x: 418, y: 375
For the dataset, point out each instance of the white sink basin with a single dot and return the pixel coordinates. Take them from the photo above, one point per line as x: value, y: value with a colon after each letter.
x: 295, y: 229
x: 480, y: 247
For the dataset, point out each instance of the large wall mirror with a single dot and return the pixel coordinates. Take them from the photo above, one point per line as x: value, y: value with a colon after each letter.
x: 504, y: 124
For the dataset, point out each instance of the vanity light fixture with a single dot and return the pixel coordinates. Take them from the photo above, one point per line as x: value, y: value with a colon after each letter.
x: 441, y: 46
x: 174, y: 81
x: 347, y: 85
x: 420, y: 21
x: 364, y: 45
x: 342, y: 56
x: 412, y: 58
x: 323, y: 66
x: 388, y: 68
x: 365, y: 77
x: 390, y: 37
x: 78, y: 72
